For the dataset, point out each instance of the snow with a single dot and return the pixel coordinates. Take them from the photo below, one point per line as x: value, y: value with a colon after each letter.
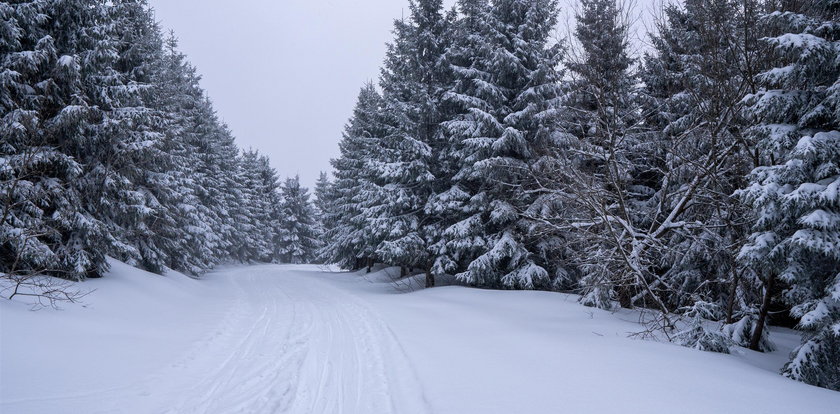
x: 298, y: 339
x: 67, y: 61
x: 821, y: 219
x: 799, y: 41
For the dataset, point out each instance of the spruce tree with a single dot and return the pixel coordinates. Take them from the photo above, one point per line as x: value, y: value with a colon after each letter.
x: 796, y: 241
x: 72, y: 46
x: 178, y: 97
x: 516, y: 92
x: 469, y: 101
x: 127, y: 183
x: 349, y: 241
x: 220, y: 174
x: 110, y: 147
x: 205, y: 157
x: 273, y: 219
x: 323, y: 204
x: 255, y: 231
x: 412, y: 80
x: 298, y: 240
x: 38, y: 207
x: 322, y: 197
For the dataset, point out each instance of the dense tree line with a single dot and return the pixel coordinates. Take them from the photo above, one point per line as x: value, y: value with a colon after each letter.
x: 109, y: 147
x: 700, y: 180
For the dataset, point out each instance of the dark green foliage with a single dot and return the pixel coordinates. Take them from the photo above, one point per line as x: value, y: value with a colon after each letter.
x: 111, y: 148
x: 298, y: 233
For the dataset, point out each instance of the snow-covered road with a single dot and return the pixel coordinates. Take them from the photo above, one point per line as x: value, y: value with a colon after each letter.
x: 294, y: 343
x: 296, y: 339
x: 284, y: 342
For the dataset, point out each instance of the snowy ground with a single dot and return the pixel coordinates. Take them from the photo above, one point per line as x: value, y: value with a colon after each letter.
x: 277, y: 339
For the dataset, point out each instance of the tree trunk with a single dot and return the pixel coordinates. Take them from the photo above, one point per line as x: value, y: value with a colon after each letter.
x: 369, y: 265
x: 762, y: 314
x: 403, y: 271
x: 430, y: 278
x: 733, y: 290
x: 625, y: 297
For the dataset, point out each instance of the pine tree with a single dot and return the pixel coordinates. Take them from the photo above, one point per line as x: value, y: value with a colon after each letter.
x: 322, y: 197
x: 110, y: 147
x: 219, y: 176
x: 469, y: 101
x: 272, y: 229
x: 256, y: 230
x: 127, y: 182
x: 70, y: 45
x: 178, y: 97
x: 504, y: 132
x: 298, y: 241
x: 38, y: 208
x: 205, y: 156
x: 349, y: 241
x: 795, y: 193
x: 323, y: 205
x: 412, y: 81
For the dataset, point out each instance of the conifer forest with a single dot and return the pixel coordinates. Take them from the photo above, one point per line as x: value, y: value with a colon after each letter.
x: 521, y: 159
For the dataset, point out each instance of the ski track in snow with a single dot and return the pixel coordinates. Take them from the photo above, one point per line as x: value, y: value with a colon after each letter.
x: 290, y: 343
x: 271, y: 339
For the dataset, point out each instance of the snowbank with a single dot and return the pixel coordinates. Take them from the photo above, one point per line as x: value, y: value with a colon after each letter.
x: 484, y: 351
x: 130, y: 324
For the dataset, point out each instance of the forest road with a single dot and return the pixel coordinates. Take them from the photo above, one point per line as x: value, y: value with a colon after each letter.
x: 296, y: 343
x: 271, y: 339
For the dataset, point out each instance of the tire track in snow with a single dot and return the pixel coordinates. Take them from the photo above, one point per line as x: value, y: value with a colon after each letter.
x: 300, y: 345
x: 285, y: 342
x: 354, y: 364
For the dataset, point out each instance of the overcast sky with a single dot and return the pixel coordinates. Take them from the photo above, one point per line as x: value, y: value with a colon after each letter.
x: 284, y: 74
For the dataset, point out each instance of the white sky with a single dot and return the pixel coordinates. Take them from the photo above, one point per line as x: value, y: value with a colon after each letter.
x: 284, y: 74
